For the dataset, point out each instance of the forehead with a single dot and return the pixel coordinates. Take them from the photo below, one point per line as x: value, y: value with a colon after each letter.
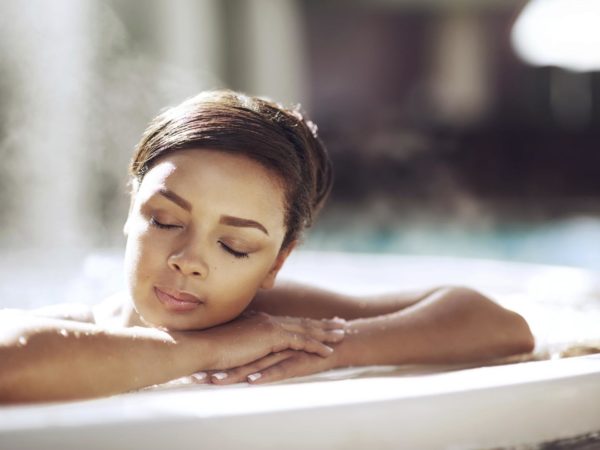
x: 234, y: 184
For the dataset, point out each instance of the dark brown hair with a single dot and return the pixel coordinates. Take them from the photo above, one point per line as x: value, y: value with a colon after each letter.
x: 281, y: 139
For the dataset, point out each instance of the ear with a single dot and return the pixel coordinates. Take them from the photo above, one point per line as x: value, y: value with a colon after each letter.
x: 269, y: 280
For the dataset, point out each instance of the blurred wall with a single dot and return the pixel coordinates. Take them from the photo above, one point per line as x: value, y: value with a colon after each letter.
x: 80, y: 80
x: 429, y: 115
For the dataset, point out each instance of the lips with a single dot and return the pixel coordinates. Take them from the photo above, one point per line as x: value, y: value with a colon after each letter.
x: 177, y: 301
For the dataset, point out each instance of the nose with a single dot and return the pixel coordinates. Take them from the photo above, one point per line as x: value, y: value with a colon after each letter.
x: 188, y: 263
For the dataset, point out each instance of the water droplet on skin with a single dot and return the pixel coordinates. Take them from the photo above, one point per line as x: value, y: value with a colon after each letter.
x: 63, y: 332
x: 22, y: 340
x: 77, y: 334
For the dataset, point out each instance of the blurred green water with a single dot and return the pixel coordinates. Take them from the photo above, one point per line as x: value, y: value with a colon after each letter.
x: 574, y: 242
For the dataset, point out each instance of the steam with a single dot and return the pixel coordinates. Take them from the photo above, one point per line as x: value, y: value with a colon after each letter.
x: 82, y: 88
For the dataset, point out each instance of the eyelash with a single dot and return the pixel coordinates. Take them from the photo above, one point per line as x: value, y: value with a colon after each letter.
x: 164, y: 226
x: 233, y: 252
x: 228, y: 249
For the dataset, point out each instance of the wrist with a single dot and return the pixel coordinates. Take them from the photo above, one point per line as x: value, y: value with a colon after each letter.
x: 191, y: 351
x: 349, y: 352
x: 371, y: 341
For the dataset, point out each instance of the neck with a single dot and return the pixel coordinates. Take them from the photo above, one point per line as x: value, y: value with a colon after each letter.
x: 129, y: 317
x: 118, y: 310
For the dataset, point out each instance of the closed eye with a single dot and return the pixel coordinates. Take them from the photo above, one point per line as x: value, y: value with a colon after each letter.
x: 232, y: 251
x: 164, y: 226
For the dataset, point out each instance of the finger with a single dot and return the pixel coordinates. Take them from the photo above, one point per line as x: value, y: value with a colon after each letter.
x: 239, y: 374
x: 321, y: 330
x: 305, y: 322
x: 336, y: 335
x: 200, y: 378
x: 332, y: 336
x: 335, y: 323
x: 291, y: 367
x: 297, y: 341
x: 219, y: 377
x: 316, y: 327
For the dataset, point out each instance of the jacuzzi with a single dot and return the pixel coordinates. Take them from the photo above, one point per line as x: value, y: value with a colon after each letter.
x: 518, y: 402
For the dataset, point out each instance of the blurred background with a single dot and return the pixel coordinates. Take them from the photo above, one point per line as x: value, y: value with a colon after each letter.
x: 457, y: 127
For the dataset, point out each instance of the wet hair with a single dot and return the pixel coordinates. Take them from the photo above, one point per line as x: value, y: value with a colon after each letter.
x: 281, y: 139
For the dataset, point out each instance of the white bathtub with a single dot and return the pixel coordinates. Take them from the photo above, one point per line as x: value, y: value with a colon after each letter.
x: 383, y: 407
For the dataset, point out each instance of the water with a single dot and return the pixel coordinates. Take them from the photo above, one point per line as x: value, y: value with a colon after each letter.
x: 573, y: 242
x: 33, y: 278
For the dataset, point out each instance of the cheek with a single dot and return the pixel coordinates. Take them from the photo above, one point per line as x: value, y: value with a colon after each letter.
x: 141, y: 254
x: 240, y: 280
x: 132, y: 269
x: 231, y: 293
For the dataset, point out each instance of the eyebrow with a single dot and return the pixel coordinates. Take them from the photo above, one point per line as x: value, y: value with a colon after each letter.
x: 183, y: 203
x: 225, y: 220
x: 239, y: 222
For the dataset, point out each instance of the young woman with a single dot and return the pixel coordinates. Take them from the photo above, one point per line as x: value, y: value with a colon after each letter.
x: 222, y: 187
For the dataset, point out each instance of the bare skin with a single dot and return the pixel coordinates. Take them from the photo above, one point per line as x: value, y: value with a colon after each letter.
x: 46, y: 359
x: 438, y: 326
x: 444, y: 325
x: 204, y: 247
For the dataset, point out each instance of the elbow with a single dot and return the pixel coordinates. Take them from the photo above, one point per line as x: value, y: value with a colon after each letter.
x: 8, y: 387
x: 521, y: 336
x: 506, y: 332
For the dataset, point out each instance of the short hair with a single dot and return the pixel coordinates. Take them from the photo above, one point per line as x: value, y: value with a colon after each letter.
x: 281, y: 139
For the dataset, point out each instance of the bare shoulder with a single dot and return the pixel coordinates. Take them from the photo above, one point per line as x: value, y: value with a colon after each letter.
x: 111, y: 310
x: 80, y: 312
x: 77, y: 312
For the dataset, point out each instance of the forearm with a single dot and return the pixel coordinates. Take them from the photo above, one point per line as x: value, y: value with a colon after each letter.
x: 300, y: 300
x: 452, y: 325
x: 46, y: 359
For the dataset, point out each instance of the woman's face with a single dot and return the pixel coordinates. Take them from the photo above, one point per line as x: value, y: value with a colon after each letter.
x: 203, y: 235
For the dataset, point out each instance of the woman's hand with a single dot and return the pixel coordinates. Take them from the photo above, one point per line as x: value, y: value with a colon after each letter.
x: 254, y: 336
x: 44, y: 359
x: 452, y: 325
x: 273, y: 367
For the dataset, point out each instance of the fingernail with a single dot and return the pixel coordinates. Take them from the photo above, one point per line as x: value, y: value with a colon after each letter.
x: 199, y: 376
x: 219, y: 376
x: 254, y: 376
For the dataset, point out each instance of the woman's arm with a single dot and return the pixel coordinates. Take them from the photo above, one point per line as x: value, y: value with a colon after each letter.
x: 300, y: 300
x: 78, y: 312
x: 45, y: 359
x: 450, y: 325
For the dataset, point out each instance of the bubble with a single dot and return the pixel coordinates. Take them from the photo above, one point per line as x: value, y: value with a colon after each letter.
x: 22, y: 340
x: 63, y: 332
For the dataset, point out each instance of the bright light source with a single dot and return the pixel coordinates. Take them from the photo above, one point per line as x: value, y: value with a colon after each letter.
x: 562, y: 33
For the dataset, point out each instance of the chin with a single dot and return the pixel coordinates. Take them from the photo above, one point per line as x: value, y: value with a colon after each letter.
x: 173, y: 323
